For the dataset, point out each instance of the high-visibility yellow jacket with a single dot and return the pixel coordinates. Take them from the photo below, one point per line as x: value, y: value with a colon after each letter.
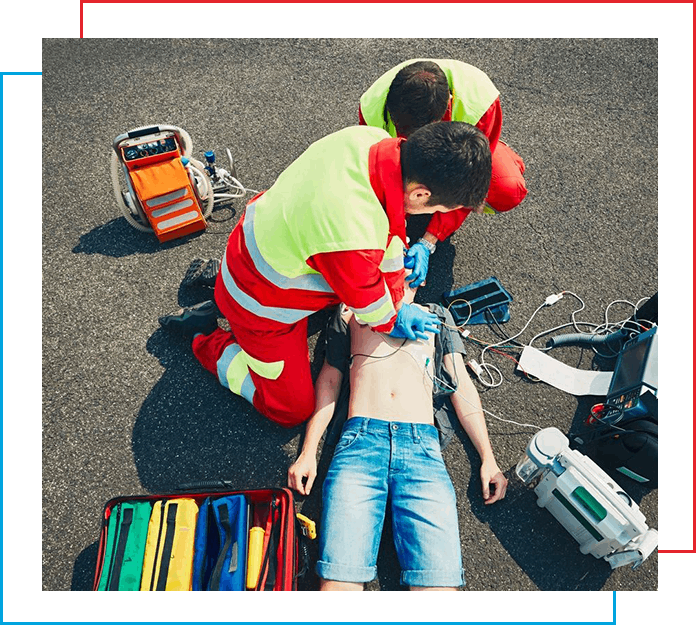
x: 331, y: 229
x: 471, y: 90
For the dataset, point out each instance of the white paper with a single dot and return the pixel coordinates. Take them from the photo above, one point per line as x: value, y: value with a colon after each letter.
x: 568, y: 379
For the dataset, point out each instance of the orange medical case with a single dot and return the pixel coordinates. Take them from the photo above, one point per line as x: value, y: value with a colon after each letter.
x: 152, y: 160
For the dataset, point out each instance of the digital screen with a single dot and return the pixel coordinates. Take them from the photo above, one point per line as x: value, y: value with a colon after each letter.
x: 630, y: 367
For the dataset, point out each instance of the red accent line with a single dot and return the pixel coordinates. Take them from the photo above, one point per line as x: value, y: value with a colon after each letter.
x: 81, y: 17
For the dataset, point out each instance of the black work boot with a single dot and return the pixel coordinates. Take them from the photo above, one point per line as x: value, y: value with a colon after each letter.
x: 201, y: 272
x: 189, y: 321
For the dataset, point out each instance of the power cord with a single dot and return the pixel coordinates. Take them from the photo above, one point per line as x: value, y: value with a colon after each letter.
x: 491, y: 377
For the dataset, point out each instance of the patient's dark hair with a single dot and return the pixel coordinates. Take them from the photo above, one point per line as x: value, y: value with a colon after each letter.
x: 452, y: 159
x: 418, y: 95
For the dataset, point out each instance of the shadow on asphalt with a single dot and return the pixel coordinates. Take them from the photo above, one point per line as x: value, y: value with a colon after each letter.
x: 84, y: 568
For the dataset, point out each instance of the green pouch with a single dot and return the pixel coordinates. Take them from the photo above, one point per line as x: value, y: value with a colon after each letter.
x: 125, y: 546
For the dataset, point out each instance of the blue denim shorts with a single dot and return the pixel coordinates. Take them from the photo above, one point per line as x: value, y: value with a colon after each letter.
x: 378, y: 463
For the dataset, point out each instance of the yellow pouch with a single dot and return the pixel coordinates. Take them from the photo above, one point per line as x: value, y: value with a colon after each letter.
x: 168, y: 562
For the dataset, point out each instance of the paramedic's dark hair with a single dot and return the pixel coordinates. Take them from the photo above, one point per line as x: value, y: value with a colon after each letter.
x: 452, y: 159
x: 418, y: 95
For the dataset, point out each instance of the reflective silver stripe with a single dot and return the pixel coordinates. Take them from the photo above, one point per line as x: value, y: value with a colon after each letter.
x: 174, y: 221
x: 392, y: 264
x: 374, y: 306
x: 378, y: 313
x: 168, y: 197
x: 228, y: 355
x: 172, y: 209
x: 248, y: 389
x: 310, y: 282
x: 282, y: 315
x: 224, y: 361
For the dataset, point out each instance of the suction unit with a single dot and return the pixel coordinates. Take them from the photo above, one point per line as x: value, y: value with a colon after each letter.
x: 586, y: 501
x: 165, y: 191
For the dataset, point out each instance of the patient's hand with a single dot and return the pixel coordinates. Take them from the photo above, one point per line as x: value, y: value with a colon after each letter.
x: 493, y: 482
x: 302, y: 473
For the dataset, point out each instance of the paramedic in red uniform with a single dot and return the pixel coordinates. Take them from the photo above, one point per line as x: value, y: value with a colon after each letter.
x: 418, y: 92
x: 331, y: 229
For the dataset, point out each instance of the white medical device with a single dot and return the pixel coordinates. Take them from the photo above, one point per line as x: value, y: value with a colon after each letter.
x: 586, y: 501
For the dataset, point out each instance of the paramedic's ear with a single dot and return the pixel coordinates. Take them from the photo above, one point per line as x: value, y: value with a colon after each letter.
x: 418, y: 194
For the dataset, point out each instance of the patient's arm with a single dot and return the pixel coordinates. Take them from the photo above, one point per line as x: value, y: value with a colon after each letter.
x: 467, y: 405
x: 327, y: 389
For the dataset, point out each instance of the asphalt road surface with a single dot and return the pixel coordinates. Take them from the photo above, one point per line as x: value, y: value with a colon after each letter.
x: 128, y: 410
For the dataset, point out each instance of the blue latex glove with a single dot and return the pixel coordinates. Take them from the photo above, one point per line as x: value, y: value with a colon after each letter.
x: 413, y: 322
x: 417, y: 258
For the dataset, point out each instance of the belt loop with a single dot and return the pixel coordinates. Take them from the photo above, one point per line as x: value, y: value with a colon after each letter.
x: 365, y: 423
x: 415, y: 432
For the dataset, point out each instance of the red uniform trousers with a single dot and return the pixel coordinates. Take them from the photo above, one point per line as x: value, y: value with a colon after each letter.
x: 287, y: 399
x: 265, y: 361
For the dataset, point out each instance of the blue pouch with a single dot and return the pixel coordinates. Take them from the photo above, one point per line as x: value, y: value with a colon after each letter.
x: 220, y: 548
x: 481, y: 302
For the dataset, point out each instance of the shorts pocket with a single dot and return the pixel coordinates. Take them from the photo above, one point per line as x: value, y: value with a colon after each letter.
x: 347, y: 440
x: 431, y: 448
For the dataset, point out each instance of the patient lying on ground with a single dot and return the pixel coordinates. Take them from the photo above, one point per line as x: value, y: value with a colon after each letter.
x: 389, y: 455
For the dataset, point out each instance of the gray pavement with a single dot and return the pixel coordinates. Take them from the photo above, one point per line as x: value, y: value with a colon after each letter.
x: 128, y: 410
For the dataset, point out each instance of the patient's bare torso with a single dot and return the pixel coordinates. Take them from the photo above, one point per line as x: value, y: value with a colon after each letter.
x: 387, y: 382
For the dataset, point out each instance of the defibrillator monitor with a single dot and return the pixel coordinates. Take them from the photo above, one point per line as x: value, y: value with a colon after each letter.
x: 635, y: 374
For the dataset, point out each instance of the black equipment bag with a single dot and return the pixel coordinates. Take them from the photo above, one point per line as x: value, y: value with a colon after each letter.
x: 630, y: 448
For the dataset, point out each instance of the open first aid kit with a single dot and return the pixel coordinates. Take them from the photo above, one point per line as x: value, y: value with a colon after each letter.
x: 591, y: 506
x: 209, y: 540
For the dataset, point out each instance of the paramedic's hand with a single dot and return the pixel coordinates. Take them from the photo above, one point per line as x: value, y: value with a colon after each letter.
x: 493, y: 482
x: 304, y: 467
x: 413, y: 322
x: 417, y: 259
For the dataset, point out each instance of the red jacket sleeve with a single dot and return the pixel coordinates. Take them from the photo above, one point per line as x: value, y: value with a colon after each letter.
x: 491, y: 123
x: 441, y: 225
x: 356, y: 279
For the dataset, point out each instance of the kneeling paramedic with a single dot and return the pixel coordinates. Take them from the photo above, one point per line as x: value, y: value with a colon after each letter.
x: 421, y: 91
x: 331, y: 229
x: 388, y: 454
